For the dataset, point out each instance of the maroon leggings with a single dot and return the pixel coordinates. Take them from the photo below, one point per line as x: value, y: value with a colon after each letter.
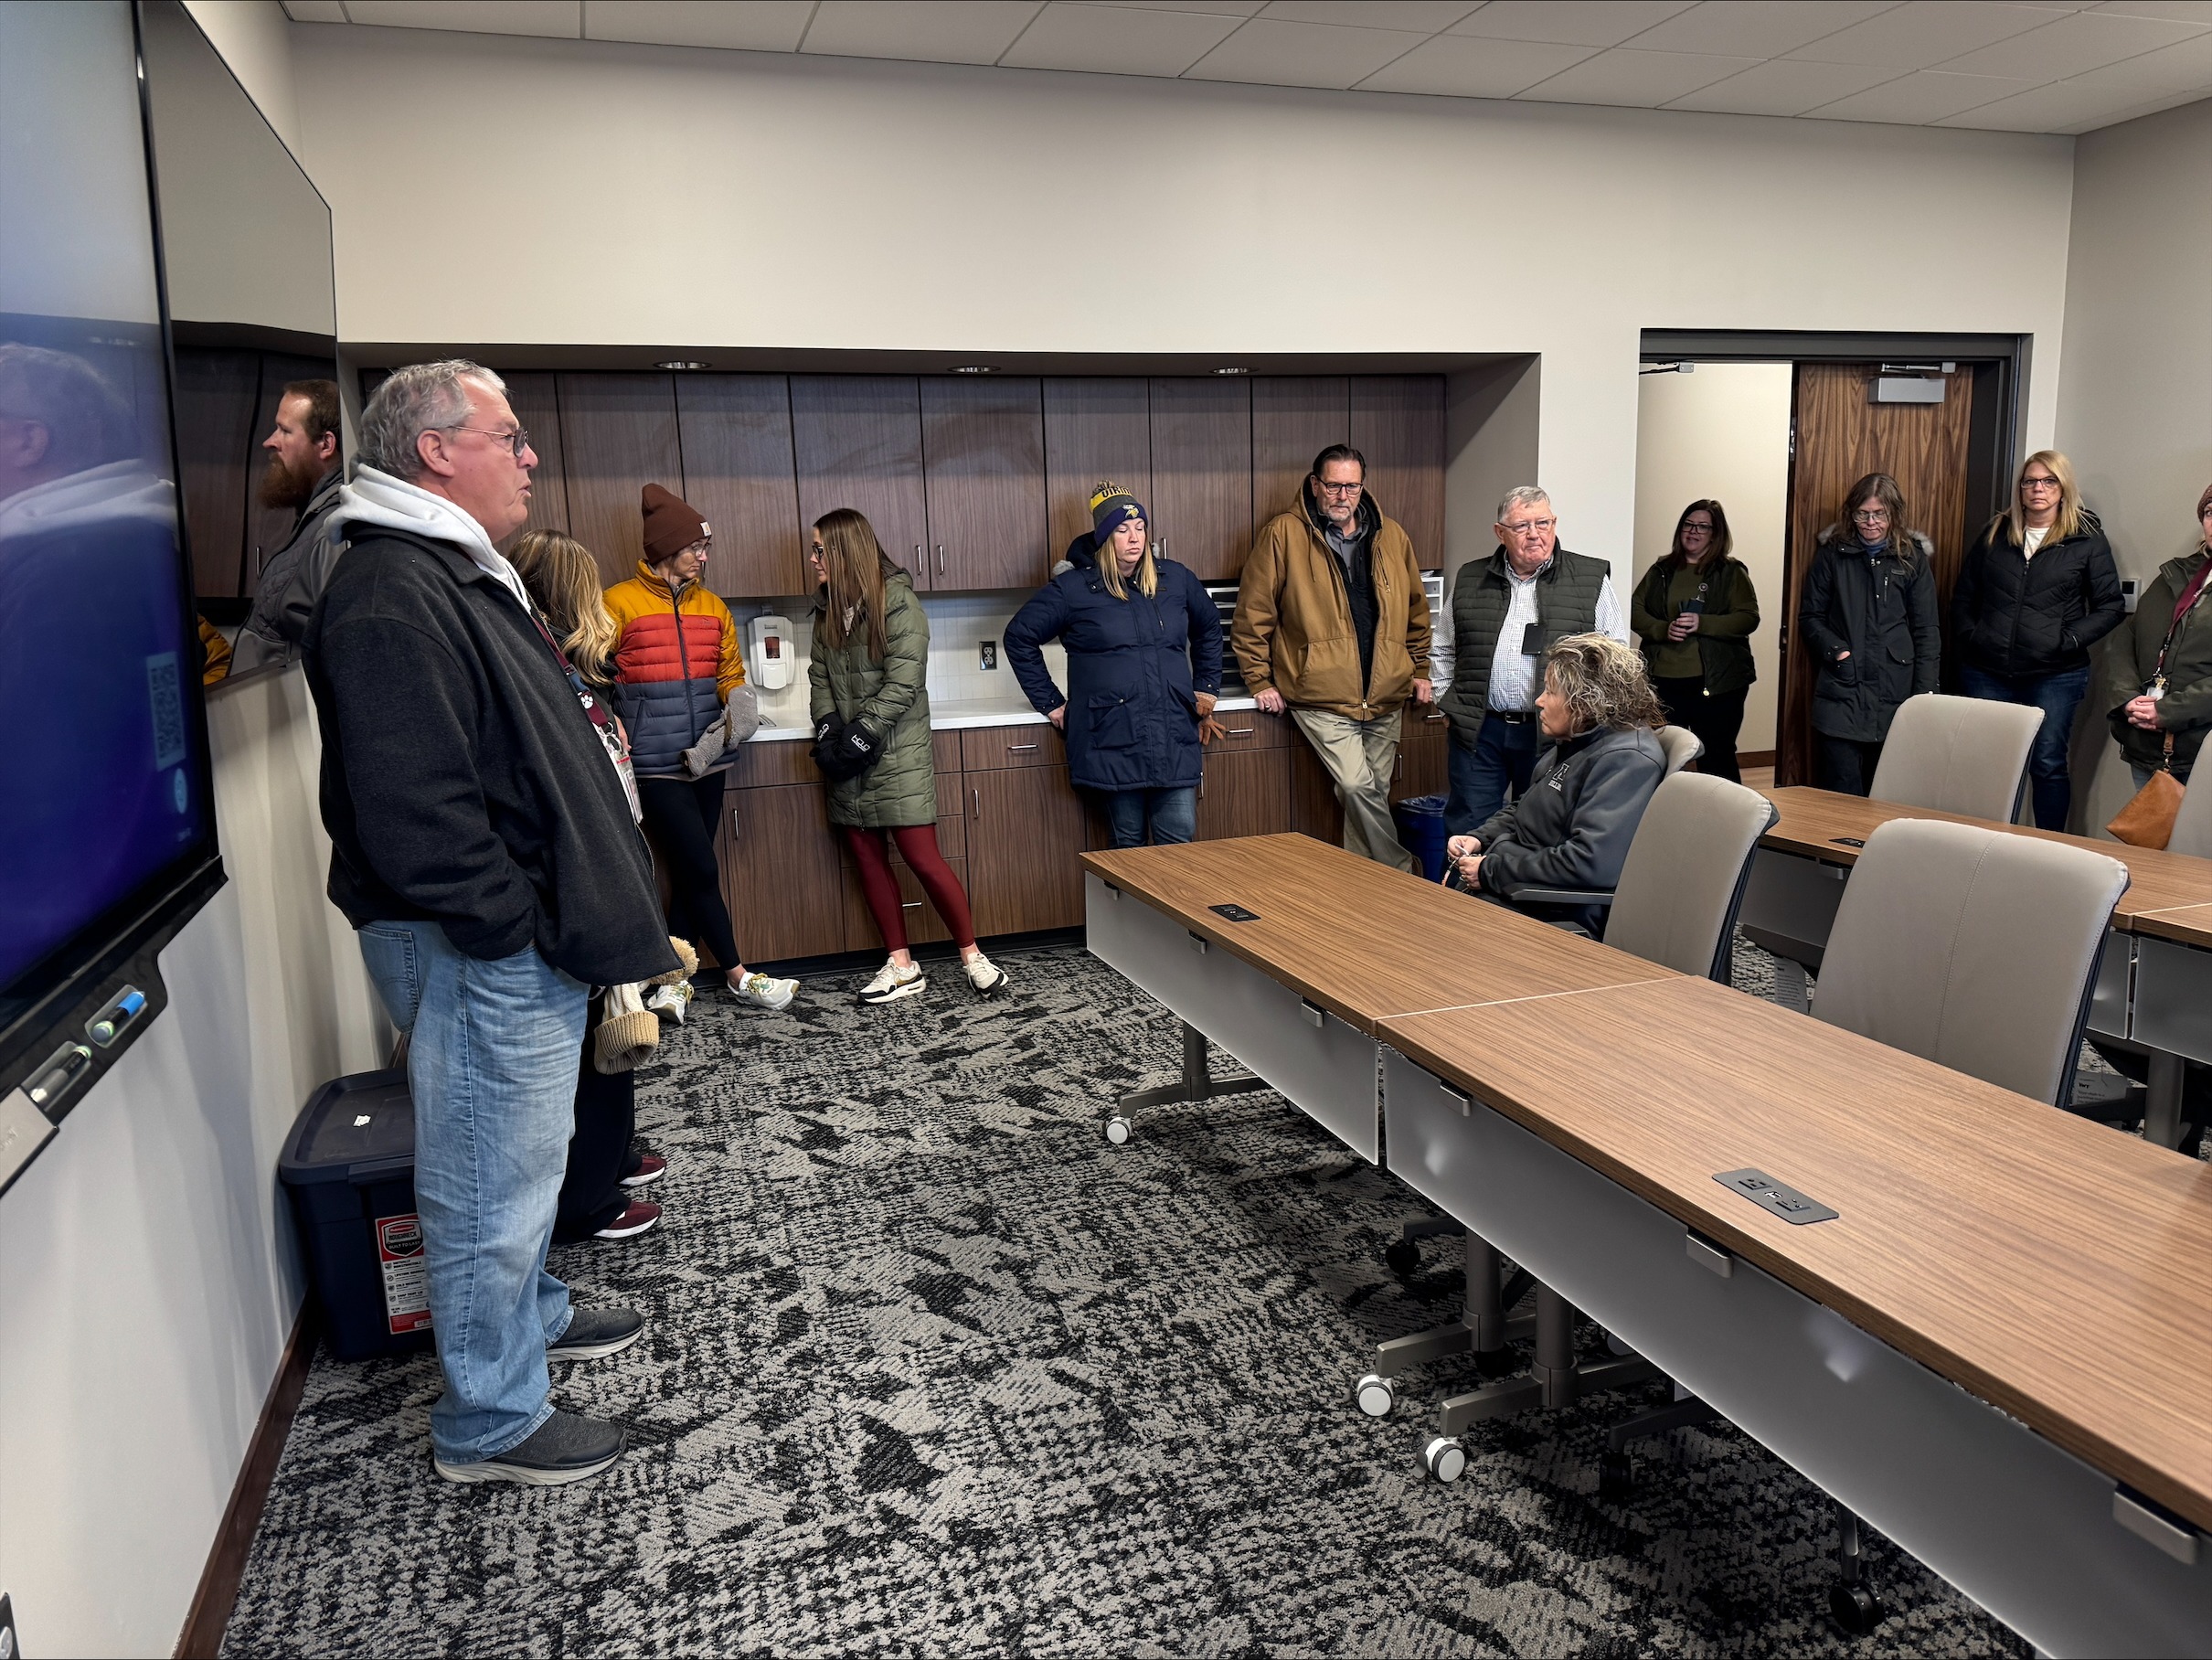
x: 918, y: 846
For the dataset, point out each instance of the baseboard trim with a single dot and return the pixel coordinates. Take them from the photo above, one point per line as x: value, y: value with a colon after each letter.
x: 209, y: 1617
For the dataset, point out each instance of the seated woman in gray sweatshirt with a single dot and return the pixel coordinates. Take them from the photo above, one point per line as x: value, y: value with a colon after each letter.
x: 1572, y: 825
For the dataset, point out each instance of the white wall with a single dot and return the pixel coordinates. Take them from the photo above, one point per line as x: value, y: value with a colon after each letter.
x: 255, y: 39
x: 1723, y: 433
x: 665, y: 196
x: 151, y: 1276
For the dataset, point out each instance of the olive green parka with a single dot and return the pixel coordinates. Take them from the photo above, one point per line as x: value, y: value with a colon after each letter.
x: 891, y: 699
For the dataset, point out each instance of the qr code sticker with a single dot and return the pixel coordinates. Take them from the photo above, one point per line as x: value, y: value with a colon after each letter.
x: 165, y: 693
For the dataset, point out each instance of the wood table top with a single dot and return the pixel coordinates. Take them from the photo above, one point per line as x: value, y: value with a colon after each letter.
x: 2048, y: 1265
x: 1812, y: 819
x: 2189, y: 924
x: 1416, y: 946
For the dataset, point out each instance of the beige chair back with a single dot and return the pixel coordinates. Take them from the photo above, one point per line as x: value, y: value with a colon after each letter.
x: 1683, y: 881
x: 1975, y: 949
x: 2193, y: 825
x: 1962, y: 755
x: 1680, y: 746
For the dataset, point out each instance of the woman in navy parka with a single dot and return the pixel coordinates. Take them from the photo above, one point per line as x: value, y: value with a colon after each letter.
x: 1143, y: 645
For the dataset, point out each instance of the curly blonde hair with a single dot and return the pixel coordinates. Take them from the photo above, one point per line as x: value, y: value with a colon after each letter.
x: 1603, y: 682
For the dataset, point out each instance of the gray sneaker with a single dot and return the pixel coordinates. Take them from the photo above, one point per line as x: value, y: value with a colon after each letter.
x: 593, y: 1334
x: 566, y: 1448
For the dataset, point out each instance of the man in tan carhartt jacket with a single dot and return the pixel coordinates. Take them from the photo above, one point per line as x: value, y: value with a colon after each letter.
x: 1332, y: 622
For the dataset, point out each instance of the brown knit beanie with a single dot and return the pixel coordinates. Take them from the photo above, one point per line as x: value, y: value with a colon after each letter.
x: 671, y: 524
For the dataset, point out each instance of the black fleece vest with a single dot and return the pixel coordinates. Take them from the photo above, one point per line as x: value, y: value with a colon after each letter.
x: 1567, y: 604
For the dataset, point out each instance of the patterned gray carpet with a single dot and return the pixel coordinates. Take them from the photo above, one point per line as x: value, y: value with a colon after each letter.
x: 933, y: 1369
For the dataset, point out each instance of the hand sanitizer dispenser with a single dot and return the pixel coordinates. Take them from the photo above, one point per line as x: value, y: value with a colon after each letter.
x: 774, y: 657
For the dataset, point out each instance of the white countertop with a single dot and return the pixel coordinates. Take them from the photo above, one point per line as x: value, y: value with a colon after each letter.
x: 953, y: 715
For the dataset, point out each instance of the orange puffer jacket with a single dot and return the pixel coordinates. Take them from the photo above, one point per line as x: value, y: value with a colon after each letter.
x: 675, y: 661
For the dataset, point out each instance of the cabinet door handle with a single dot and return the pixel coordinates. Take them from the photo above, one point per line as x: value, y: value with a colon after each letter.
x: 940, y: 559
x: 1020, y: 748
x: 736, y: 825
x: 1241, y: 731
x: 976, y: 796
x: 911, y: 905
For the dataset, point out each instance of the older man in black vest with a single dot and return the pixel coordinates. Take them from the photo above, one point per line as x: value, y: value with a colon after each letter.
x: 1507, y: 611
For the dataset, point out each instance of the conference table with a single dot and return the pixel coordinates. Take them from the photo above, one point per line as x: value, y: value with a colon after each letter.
x: 2154, y: 990
x: 1995, y: 1349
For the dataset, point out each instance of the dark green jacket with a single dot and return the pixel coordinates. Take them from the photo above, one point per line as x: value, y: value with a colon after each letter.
x: 2132, y: 659
x: 1724, y: 630
x: 888, y: 698
x: 1567, y: 604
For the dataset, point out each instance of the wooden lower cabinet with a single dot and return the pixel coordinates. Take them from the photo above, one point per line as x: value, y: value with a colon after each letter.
x: 1025, y: 828
x: 1422, y: 751
x: 1314, y: 809
x: 780, y: 873
x: 923, y: 925
x: 1244, y: 792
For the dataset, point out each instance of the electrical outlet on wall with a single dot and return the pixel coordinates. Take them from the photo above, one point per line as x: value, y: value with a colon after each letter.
x: 987, y: 655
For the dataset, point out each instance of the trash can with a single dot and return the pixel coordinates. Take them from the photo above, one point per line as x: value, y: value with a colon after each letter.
x: 1421, y: 832
x: 350, y: 1165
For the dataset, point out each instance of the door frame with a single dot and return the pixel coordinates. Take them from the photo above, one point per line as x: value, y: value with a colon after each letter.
x: 2000, y: 364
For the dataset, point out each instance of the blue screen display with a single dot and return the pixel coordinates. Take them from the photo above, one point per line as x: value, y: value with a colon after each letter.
x: 102, y: 785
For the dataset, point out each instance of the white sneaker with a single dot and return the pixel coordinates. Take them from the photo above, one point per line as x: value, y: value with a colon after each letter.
x: 892, y: 982
x: 762, y: 991
x: 988, y: 979
x: 670, y: 1002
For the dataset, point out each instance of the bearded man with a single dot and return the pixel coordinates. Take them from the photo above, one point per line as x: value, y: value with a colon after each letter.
x: 304, y: 473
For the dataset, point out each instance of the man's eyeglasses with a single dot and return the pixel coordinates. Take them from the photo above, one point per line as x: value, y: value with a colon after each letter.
x: 518, y: 440
x: 1528, y: 528
x: 1329, y: 489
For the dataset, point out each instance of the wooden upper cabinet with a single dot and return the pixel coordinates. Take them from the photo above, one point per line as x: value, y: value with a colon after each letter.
x: 536, y: 404
x: 1294, y: 419
x: 982, y: 455
x: 1096, y: 431
x: 1397, y: 423
x: 1202, y: 472
x: 739, y: 473
x: 618, y: 435
x: 857, y: 443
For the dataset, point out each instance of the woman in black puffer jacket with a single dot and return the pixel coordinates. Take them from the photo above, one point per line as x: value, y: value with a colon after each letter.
x: 2037, y: 589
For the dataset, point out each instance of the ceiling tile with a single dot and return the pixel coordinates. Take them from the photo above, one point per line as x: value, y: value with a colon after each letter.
x: 1302, y: 54
x: 1924, y: 32
x: 561, y: 18
x: 2075, y: 43
x: 2187, y: 68
x: 315, y: 11
x: 1460, y: 66
x: 2046, y: 109
x: 1568, y: 22
x: 1916, y: 99
x: 1227, y: 8
x: 2174, y: 11
x: 1644, y: 79
x: 1114, y: 40
x: 749, y: 26
x: 1423, y: 16
x: 2153, y: 108
x: 1783, y: 87
x: 1755, y: 28
x: 945, y: 31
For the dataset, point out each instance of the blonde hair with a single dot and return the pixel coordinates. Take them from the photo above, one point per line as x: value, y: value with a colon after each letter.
x: 1604, y: 684
x: 564, y: 578
x: 2069, y: 501
x: 855, y: 568
x: 1147, y: 573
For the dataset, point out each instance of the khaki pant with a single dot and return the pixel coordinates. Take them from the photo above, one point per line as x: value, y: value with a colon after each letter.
x: 1361, y: 756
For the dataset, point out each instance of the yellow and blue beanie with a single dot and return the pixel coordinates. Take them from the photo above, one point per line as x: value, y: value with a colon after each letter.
x: 1110, y: 507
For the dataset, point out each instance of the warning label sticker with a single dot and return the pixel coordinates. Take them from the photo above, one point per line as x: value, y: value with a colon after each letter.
x: 407, y: 1277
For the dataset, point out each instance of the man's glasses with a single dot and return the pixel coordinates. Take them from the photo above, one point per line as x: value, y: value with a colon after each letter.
x: 1329, y: 489
x: 518, y: 440
x: 1529, y: 528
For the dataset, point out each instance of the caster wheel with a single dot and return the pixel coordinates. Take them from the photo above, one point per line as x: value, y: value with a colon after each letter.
x: 1616, y: 1475
x: 1854, y: 1608
x: 1375, y: 1395
x: 1402, y: 1258
x: 1118, y: 1129
x: 1444, y: 1459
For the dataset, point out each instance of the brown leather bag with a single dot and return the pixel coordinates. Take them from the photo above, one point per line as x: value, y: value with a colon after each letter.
x: 2147, y: 820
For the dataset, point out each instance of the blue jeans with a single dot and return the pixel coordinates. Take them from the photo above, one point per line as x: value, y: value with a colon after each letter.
x: 491, y: 1063
x: 1172, y: 815
x: 2059, y: 697
x: 1503, y: 757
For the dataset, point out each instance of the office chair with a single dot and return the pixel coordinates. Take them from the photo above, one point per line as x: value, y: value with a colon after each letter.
x: 1965, y: 755
x: 1681, y: 746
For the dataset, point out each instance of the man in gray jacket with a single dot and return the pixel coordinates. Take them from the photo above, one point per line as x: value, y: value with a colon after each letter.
x: 304, y: 474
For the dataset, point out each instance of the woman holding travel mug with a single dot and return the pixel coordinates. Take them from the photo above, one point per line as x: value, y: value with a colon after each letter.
x: 1695, y: 612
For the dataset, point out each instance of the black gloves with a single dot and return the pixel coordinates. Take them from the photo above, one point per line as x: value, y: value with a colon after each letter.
x: 844, y: 751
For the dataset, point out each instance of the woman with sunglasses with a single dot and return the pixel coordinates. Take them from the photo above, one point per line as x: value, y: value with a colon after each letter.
x: 1869, y: 616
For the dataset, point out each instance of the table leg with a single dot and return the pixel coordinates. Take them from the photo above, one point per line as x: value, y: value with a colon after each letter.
x: 1197, y: 1083
x: 2162, y: 1119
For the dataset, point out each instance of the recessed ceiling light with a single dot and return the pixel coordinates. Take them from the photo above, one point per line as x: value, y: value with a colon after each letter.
x: 682, y: 363
x: 1232, y: 368
x: 973, y: 368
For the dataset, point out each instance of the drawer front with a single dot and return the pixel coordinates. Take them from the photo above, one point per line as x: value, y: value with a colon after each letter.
x: 923, y: 925
x: 1036, y: 744
x: 944, y: 753
x: 1250, y: 730
x: 1790, y: 903
x: 1322, y: 1066
x: 785, y: 761
x: 2023, y: 1527
x: 2172, y: 998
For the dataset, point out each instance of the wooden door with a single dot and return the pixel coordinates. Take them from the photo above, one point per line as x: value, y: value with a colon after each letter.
x: 1244, y: 792
x: 1096, y: 431
x: 535, y: 400
x: 215, y: 440
x: 983, y: 457
x: 1025, y: 829
x: 1839, y: 434
x: 739, y: 472
x: 1202, y: 472
x: 780, y: 873
x: 618, y: 434
x: 1294, y: 419
x: 1397, y: 423
x: 857, y: 440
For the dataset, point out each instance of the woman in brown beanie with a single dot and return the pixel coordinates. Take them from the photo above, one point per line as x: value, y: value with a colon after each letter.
x: 676, y: 662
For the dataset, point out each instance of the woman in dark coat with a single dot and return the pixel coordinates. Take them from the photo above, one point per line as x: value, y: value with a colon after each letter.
x: 1143, y: 644
x: 2158, y: 685
x: 2037, y: 589
x: 1869, y: 615
x: 1695, y: 612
